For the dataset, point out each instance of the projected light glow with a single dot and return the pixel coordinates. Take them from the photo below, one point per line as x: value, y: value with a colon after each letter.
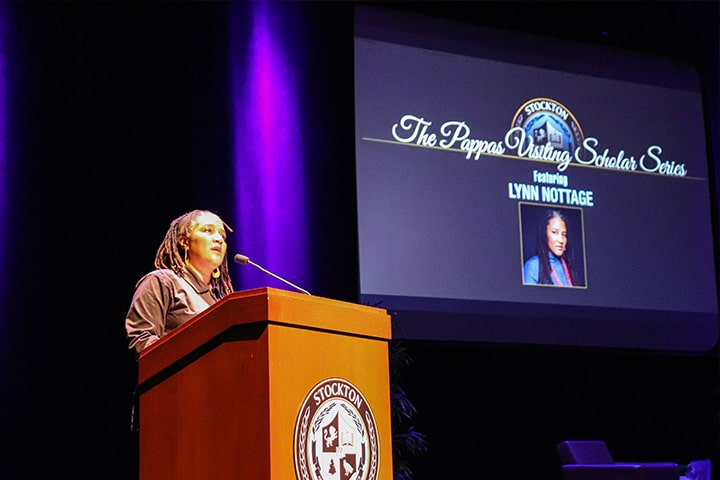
x: 268, y: 157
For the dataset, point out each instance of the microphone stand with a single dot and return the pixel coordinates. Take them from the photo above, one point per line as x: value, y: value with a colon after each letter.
x: 245, y: 260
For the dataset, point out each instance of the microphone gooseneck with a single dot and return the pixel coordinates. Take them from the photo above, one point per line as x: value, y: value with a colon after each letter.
x: 245, y: 260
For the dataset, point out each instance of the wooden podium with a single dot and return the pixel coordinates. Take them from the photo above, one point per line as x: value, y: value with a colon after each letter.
x: 261, y: 384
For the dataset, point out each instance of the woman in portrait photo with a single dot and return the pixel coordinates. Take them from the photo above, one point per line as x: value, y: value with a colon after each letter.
x: 552, y: 263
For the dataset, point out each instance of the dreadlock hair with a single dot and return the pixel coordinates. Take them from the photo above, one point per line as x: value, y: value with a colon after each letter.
x: 543, y: 250
x: 170, y: 254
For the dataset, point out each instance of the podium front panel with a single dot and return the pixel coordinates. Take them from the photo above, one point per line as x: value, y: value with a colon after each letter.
x: 237, y: 403
x: 301, y: 359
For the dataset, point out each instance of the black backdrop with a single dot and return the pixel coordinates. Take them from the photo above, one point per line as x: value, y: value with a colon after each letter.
x: 118, y: 122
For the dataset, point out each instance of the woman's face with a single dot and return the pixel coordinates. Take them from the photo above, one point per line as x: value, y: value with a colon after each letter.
x: 206, y: 244
x: 556, y: 236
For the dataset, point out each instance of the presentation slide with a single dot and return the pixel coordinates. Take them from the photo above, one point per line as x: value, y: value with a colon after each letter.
x: 518, y: 189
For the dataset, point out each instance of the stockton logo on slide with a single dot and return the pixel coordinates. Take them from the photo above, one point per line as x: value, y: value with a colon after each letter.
x: 335, y: 435
x: 549, y: 124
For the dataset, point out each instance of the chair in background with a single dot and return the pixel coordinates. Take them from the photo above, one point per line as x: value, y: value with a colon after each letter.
x: 591, y: 460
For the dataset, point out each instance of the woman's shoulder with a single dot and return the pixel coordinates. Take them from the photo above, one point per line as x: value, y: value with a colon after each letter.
x: 162, y: 275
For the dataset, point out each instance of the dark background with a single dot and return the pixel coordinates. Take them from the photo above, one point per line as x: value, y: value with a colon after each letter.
x: 118, y: 121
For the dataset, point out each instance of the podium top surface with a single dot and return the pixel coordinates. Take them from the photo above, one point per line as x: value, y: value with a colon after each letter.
x: 264, y: 305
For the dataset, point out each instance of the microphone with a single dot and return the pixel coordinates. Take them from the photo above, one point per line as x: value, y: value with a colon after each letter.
x: 242, y: 259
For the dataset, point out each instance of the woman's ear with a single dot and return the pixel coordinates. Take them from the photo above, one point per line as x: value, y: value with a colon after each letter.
x: 184, y: 242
